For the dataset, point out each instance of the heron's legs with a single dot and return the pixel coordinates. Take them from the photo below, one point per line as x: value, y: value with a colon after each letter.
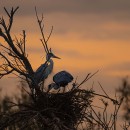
x: 63, y: 89
x: 42, y: 86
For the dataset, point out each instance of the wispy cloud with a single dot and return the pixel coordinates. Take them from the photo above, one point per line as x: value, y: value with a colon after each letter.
x: 90, y: 19
x: 72, y: 6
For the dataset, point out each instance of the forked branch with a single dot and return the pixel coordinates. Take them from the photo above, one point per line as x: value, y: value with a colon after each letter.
x: 15, y: 54
x: 41, y: 26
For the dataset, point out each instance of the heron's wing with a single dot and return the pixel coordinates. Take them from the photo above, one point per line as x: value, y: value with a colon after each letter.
x: 48, y: 69
x: 38, y: 75
x: 43, y: 71
x: 62, y: 77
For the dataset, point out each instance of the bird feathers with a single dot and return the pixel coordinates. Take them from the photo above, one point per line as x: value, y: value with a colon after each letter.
x: 62, y: 78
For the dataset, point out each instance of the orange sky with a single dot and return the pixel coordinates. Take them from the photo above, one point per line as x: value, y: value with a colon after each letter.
x: 88, y: 36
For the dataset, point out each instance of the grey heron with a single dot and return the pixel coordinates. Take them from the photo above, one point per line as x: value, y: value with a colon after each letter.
x: 45, y: 69
x: 61, y: 79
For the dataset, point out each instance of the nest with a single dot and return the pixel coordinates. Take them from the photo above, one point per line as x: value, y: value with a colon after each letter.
x: 50, y: 111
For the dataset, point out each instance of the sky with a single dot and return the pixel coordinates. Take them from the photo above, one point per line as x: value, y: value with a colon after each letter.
x: 88, y: 35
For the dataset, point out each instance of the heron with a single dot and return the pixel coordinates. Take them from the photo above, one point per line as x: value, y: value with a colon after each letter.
x: 45, y: 69
x: 61, y: 79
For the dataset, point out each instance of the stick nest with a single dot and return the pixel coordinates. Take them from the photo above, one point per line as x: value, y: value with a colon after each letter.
x: 50, y: 111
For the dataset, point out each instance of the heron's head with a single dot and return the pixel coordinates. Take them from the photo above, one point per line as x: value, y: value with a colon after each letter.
x: 53, y: 85
x: 48, y: 51
x: 51, y: 55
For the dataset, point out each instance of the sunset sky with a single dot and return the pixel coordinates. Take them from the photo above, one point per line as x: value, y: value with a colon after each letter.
x: 88, y: 35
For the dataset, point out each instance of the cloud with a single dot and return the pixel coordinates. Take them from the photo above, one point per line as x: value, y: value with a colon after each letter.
x: 85, y: 17
x: 71, y: 6
x: 125, y: 66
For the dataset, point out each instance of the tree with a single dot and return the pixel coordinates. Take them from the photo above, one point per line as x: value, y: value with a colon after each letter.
x: 39, y: 109
x: 124, y: 90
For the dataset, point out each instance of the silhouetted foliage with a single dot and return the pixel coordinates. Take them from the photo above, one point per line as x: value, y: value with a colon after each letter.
x: 124, y: 90
x: 69, y: 110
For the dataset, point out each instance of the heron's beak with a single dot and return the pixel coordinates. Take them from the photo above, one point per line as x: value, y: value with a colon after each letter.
x: 56, y: 57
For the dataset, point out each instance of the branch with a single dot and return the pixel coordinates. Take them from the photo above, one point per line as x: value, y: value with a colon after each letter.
x: 7, y: 37
x: 41, y: 26
x: 50, y: 34
x: 6, y: 73
x: 89, y: 76
x: 100, y: 95
x: 11, y: 15
x: 9, y: 63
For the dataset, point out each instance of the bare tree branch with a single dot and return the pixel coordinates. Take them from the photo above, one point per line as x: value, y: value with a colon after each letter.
x: 41, y: 26
x: 6, y: 73
x: 7, y: 37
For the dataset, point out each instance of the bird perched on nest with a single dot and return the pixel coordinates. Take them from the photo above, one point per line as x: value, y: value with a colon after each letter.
x: 61, y: 79
x: 45, y: 69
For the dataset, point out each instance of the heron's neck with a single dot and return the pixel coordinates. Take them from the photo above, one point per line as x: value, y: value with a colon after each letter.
x: 51, y: 63
x: 48, y: 57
